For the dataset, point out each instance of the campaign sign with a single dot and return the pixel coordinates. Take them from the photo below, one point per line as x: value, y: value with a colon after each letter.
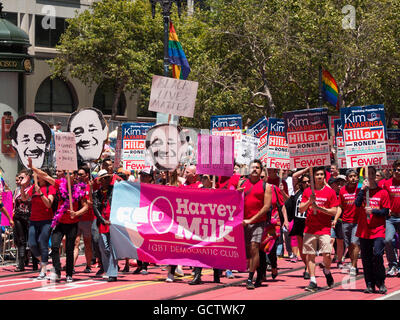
x: 178, y: 226
x: 307, y: 133
x: 229, y: 125
x: 173, y: 96
x: 392, y: 147
x: 364, y: 131
x: 259, y: 128
x: 134, y: 145
x: 339, y: 144
x: 66, y: 155
x: 215, y: 155
x: 277, y: 155
x: 248, y: 149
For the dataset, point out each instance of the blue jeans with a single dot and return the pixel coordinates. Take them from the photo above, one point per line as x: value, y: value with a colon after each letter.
x: 38, y: 238
x: 392, y: 226
x: 109, y: 261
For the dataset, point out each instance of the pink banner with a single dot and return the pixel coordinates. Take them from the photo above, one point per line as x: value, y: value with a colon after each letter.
x: 7, y: 200
x: 215, y: 155
x: 185, y: 226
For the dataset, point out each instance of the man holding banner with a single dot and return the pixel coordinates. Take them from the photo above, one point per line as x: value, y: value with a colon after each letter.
x: 257, y: 202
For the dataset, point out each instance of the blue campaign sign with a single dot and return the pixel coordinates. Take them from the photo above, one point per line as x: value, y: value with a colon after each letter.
x: 306, y: 120
x: 226, y: 123
x: 364, y: 132
x: 338, y: 127
x: 259, y: 128
x: 135, y: 130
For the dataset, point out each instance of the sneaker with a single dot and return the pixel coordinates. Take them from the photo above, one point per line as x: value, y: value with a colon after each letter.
x: 312, y: 287
x: 392, y: 272
x: 329, y: 279
x: 249, y: 285
x: 306, y: 275
x: 382, y: 289
x: 229, y: 274
x: 41, y: 276
x: 170, y: 277
x: 292, y: 255
x: 144, y: 272
x: 179, y: 272
x: 87, y: 270
x: 294, y: 259
x: 353, y: 272
x: 369, y: 289
x: 112, y: 279
x: 53, y: 276
x: 137, y: 270
x: 104, y: 276
x: 99, y: 273
x: 69, y: 279
x: 340, y: 265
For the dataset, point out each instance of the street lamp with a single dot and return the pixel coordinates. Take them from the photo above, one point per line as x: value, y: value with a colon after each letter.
x: 166, y: 12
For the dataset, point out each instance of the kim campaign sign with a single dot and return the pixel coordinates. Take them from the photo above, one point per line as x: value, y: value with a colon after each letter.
x: 134, y: 145
x: 230, y: 125
x: 307, y: 133
x: 178, y: 226
x: 339, y: 143
x: 364, y: 132
x: 277, y: 155
x: 259, y: 128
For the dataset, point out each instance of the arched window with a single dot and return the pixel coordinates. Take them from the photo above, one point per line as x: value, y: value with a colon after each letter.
x: 54, y: 95
x: 103, y: 100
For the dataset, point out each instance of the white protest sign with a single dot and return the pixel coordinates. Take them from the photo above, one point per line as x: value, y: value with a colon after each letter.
x: 173, y: 96
x: 66, y: 158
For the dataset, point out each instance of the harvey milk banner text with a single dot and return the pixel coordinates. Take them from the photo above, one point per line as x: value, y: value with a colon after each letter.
x: 307, y: 134
x: 172, y: 225
x: 364, y: 131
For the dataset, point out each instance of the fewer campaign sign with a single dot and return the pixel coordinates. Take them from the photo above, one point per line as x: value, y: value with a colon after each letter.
x: 307, y: 133
x: 134, y: 145
x: 364, y: 131
x: 178, y: 226
x: 229, y: 125
x: 339, y: 144
x: 392, y: 147
x: 277, y: 155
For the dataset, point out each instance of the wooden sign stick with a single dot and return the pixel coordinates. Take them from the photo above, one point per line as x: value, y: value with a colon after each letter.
x: 367, y: 194
x: 312, y: 186
x: 69, y: 190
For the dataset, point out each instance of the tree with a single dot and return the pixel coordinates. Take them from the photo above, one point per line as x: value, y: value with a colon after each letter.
x: 116, y: 43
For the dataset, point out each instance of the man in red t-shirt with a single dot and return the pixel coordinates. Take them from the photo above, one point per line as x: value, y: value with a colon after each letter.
x: 392, y: 186
x: 320, y: 205
x: 371, y: 231
x: 257, y: 202
x: 191, y: 177
x: 349, y: 215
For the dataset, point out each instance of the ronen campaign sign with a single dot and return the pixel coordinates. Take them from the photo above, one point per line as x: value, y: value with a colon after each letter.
x: 229, y: 125
x: 277, y: 155
x: 173, y: 225
x: 339, y: 144
x: 307, y: 133
x: 364, y: 132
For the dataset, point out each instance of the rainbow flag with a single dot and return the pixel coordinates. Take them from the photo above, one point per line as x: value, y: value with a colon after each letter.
x: 2, y: 183
x: 330, y: 88
x: 177, y: 58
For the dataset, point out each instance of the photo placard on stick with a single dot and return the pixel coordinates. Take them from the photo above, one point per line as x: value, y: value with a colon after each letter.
x: 173, y: 96
x: 66, y: 158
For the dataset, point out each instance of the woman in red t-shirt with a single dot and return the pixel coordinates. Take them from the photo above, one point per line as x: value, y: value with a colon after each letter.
x: 42, y: 196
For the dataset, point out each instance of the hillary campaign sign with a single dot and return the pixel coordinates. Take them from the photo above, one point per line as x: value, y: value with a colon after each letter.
x: 339, y: 143
x: 364, y: 131
x: 134, y: 145
x: 307, y: 133
x: 277, y: 155
x: 178, y: 226
x: 229, y: 125
x: 392, y: 147
x: 215, y: 155
x: 259, y: 128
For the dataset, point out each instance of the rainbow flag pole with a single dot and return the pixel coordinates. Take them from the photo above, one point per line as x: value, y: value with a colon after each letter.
x: 328, y: 88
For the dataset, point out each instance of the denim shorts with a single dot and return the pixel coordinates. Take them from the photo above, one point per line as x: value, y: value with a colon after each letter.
x: 349, y: 232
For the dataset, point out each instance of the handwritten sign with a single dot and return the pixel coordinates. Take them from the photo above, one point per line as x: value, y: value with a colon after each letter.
x: 173, y: 96
x: 66, y: 158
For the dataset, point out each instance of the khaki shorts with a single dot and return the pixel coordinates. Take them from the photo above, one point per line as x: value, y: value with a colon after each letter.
x: 312, y: 242
x: 253, y: 233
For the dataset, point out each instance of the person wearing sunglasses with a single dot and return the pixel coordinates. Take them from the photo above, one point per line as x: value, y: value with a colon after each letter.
x: 392, y: 186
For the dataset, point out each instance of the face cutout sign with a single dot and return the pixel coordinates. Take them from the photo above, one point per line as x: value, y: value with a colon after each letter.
x: 164, y: 146
x: 91, y: 132
x: 31, y: 138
